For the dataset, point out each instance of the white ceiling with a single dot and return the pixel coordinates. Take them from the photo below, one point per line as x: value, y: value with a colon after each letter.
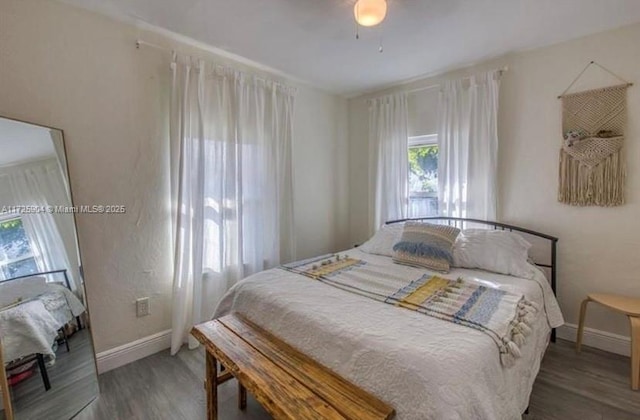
x: 313, y: 40
x: 22, y: 142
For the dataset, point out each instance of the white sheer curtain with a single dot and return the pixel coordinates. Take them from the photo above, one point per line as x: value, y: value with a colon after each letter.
x: 468, y: 147
x: 233, y: 188
x: 41, y: 184
x: 388, y: 159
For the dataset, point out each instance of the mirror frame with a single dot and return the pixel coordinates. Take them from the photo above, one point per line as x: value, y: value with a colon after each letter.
x: 8, y: 407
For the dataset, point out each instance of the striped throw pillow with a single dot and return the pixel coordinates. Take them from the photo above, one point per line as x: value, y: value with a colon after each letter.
x: 426, y: 245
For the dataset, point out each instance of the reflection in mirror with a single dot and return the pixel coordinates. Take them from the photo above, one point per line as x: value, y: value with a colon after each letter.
x: 49, y: 361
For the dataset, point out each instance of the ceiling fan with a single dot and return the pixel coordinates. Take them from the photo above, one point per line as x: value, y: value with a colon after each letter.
x: 370, y: 12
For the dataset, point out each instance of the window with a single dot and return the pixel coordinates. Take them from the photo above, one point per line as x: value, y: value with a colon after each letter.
x: 423, y: 176
x: 16, y: 254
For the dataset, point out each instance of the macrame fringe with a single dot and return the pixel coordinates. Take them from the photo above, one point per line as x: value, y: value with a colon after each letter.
x: 602, y: 185
x: 592, y: 168
x: 520, y: 329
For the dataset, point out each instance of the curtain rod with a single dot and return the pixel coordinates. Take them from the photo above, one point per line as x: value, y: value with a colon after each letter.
x: 204, y: 51
x: 437, y: 85
x: 140, y: 42
x: 282, y: 85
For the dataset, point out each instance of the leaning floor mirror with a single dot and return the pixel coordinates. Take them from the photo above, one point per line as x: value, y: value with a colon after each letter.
x: 47, y: 360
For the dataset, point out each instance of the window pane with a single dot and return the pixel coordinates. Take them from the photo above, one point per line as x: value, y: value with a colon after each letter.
x: 423, y: 181
x: 423, y: 169
x: 20, y: 268
x: 14, y: 243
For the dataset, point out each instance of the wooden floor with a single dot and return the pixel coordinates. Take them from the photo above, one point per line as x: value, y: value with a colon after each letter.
x: 591, y: 386
x: 73, y: 384
x: 164, y: 387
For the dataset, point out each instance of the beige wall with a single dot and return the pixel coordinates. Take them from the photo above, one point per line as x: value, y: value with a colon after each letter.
x: 69, y: 68
x: 599, y: 248
x: 320, y: 173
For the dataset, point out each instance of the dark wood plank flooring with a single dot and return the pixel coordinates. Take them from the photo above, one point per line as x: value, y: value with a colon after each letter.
x: 73, y: 384
x: 591, y: 386
x: 164, y: 387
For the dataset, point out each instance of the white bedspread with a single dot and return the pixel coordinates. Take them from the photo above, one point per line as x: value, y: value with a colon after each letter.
x: 424, y: 367
x: 32, y: 326
x: 27, y: 329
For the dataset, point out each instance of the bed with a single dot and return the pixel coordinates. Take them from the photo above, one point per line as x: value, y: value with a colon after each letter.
x: 426, y: 368
x: 32, y: 314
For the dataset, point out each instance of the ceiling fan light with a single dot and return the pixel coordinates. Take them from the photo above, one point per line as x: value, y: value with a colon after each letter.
x: 370, y: 12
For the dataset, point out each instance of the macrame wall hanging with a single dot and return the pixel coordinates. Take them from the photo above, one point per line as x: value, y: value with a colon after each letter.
x: 592, y: 163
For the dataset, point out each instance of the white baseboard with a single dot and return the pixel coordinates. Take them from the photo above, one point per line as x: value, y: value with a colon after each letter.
x: 613, y: 343
x: 146, y: 346
x: 130, y: 352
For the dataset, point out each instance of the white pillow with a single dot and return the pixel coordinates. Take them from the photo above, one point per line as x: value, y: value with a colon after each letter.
x: 21, y: 289
x: 493, y: 250
x: 382, y: 242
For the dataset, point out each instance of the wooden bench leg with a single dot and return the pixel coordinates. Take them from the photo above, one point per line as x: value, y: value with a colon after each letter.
x: 583, y: 314
x: 242, y: 397
x: 635, y: 352
x: 212, y: 387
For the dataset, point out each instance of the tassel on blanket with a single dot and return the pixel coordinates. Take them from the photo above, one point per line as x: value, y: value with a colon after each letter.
x: 524, y: 329
x: 519, y: 338
x: 514, y: 349
x: 506, y: 358
x: 528, y: 317
x: 520, y: 330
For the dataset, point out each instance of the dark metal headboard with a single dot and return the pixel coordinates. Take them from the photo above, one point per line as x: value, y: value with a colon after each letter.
x: 44, y: 273
x: 461, y: 223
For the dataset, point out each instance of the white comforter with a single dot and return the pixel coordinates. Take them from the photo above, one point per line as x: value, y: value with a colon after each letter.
x: 424, y: 367
x: 32, y: 326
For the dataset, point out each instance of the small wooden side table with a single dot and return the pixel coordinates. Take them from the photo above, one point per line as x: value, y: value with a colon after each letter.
x: 631, y: 308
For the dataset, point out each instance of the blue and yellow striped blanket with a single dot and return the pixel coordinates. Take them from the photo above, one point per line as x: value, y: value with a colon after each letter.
x: 504, y: 316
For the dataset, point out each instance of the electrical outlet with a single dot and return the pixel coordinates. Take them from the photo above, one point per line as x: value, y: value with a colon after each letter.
x: 142, y: 307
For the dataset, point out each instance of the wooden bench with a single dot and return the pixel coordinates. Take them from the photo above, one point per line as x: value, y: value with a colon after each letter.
x: 287, y: 383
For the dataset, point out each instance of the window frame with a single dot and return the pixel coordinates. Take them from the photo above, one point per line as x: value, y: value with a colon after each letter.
x: 6, y: 217
x: 421, y: 141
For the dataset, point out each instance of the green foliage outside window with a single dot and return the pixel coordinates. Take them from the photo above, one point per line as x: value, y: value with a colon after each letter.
x: 423, y: 168
x: 16, y: 255
x: 10, y: 224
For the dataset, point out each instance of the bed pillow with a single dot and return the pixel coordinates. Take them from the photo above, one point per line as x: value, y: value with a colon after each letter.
x: 383, y: 241
x: 493, y: 250
x: 426, y: 245
x: 21, y: 289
